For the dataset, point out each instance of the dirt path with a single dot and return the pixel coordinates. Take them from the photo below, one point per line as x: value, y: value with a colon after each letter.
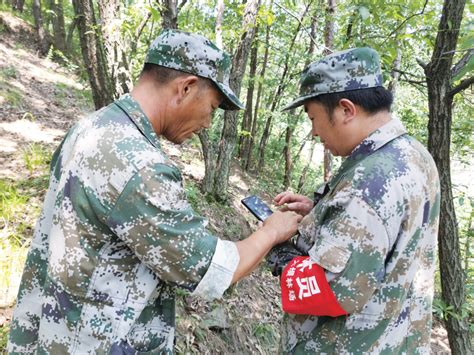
x: 40, y: 100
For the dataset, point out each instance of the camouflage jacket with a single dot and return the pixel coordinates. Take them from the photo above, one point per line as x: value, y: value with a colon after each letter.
x: 115, y: 238
x: 375, y: 233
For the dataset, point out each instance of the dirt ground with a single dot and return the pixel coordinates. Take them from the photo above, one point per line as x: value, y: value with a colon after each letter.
x: 47, y: 100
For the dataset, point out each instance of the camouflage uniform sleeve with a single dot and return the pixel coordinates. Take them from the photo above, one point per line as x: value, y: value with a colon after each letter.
x: 153, y: 217
x: 24, y: 327
x: 351, y: 244
x: 23, y: 335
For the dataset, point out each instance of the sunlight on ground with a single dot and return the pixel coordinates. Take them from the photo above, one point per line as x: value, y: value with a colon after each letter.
x: 42, y: 70
x: 8, y: 145
x: 30, y: 131
x: 12, y: 259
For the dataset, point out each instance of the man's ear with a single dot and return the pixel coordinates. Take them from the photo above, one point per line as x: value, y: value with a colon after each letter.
x: 349, y: 110
x: 185, y: 87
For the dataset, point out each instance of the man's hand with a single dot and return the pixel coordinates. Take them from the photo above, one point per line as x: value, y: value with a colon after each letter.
x: 294, y: 202
x: 276, y: 229
x: 283, y: 225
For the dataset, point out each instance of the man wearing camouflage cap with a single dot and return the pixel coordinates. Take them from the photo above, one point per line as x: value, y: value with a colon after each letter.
x: 364, y: 283
x: 117, y: 235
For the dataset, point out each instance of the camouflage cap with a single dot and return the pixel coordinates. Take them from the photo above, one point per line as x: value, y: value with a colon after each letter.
x: 195, y: 54
x: 352, y: 69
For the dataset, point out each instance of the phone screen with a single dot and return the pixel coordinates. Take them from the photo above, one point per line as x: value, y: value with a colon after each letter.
x: 258, y: 208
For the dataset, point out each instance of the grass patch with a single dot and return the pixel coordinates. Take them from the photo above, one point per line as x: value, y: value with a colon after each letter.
x: 61, y: 94
x: 36, y: 157
x: 10, y: 94
x: 12, y: 260
x: 20, y: 206
x: 225, y: 221
x: 193, y: 195
x: 11, y: 200
x: 4, y: 338
x: 64, y: 94
x: 8, y: 72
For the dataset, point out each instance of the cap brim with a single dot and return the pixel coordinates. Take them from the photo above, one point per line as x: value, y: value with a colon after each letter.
x: 231, y: 101
x: 297, y: 102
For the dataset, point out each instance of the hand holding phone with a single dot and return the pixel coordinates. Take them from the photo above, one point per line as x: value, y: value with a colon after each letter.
x: 257, y: 207
x: 280, y: 254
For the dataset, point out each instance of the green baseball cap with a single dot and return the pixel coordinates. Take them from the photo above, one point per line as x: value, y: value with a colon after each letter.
x: 195, y: 54
x: 352, y: 69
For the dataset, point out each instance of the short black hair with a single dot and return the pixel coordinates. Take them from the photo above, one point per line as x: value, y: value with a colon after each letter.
x: 163, y: 75
x: 372, y: 100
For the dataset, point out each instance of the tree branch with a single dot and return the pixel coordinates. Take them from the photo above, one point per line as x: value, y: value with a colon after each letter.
x: 180, y: 6
x: 462, y: 62
x: 421, y: 63
x: 464, y: 84
x: 138, y: 33
x: 415, y: 82
x: 406, y: 73
x: 301, y: 24
x: 405, y: 21
x: 142, y: 25
x: 406, y: 79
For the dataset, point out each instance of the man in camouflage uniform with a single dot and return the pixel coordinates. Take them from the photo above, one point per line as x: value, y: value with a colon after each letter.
x: 373, y: 231
x: 116, y: 235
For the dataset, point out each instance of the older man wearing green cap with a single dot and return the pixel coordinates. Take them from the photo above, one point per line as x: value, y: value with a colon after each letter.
x: 364, y: 281
x: 117, y: 236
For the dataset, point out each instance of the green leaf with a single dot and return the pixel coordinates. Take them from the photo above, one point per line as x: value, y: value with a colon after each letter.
x: 244, y: 133
x: 466, y: 42
x: 155, y: 14
x: 468, y: 68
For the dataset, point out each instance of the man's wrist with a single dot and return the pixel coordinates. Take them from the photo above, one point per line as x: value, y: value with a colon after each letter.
x: 271, y: 235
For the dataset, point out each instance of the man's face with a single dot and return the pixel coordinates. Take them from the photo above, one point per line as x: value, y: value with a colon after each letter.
x: 330, y: 130
x: 195, y: 113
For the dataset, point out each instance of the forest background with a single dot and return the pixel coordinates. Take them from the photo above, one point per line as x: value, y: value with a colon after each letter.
x: 427, y: 54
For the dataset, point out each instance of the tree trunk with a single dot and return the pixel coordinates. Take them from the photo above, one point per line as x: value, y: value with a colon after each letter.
x: 287, y: 155
x: 328, y: 43
x: 229, y: 131
x: 352, y: 19
x: 40, y: 32
x: 92, y: 53
x: 257, y: 102
x: 17, y: 5
x: 395, y: 73
x: 169, y: 13
x: 69, y: 37
x: 440, y: 99
x: 138, y: 33
x: 59, y: 30
x: 277, y: 96
x: 114, y: 47
x: 302, y: 179
x: 247, y: 121
x: 208, y: 152
x: 208, y: 146
x: 219, y: 19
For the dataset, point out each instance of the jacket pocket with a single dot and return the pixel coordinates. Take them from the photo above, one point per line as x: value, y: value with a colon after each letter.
x: 150, y: 340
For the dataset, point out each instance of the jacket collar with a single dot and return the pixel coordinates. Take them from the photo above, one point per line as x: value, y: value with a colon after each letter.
x: 376, y: 140
x: 138, y: 117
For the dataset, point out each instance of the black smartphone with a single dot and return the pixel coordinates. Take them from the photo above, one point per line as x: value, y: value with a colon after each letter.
x: 258, y: 208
